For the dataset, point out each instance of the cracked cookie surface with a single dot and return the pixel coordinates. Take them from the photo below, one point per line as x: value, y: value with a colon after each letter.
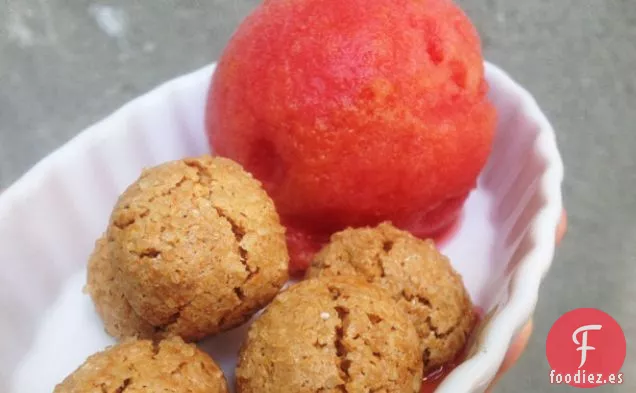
x: 340, y: 335
x: 415, y: 273
x: 135, y: 366
x: 194, y: 247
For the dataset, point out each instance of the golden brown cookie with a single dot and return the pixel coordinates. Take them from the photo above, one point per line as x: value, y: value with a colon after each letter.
x: 194, y: 247
x: 418, y: 277
x: 111, y: 304
x: 331, y: 336
x: 137, y: 366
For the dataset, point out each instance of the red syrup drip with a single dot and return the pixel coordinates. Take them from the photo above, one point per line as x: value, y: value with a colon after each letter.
x: 435, y: 378
x: 302, y: 247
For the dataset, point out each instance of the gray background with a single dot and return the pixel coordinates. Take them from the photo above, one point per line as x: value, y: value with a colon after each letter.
x: 66, y: 63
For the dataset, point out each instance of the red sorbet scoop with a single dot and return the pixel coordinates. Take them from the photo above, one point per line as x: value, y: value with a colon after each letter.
x: 355, y: 112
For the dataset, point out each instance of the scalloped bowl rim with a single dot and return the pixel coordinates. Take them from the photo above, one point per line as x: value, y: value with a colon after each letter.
x: 528, y: 275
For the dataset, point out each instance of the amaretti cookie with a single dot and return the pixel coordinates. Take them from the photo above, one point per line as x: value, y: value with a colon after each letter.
x: 137, y: 366
x: 194, y: 247
x: 335, y: 335
x: 415, y: 273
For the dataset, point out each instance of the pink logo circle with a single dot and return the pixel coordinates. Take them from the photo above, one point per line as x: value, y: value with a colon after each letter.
x: 586, y: 348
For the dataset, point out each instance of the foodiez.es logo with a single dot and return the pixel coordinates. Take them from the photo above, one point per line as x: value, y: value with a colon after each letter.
x: 586, y: 348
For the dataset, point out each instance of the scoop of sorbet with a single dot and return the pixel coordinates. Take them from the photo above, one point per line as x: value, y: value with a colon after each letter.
x: 355, y: 112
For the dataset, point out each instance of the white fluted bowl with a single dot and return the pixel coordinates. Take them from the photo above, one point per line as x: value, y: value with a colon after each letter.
x: 50, y: 218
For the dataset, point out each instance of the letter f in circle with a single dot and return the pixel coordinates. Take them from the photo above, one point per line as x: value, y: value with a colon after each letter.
x: 583, y: 344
